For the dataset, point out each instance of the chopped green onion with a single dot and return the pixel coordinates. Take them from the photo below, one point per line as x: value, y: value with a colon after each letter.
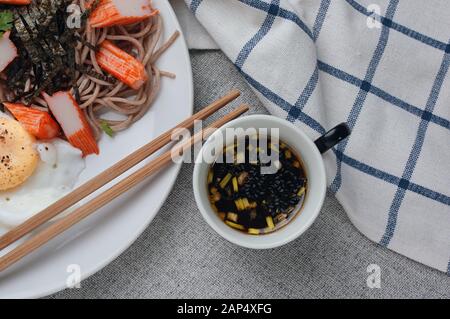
x: 234, y: 225
x: 6, y: 20
x: 301, y: 191
x: 229, y: 148
x: 239, y: 204
x: 246, y: 203
x: 240, y: 158
x: 107, y: 129
x: 270, y: 223
x: 210, y: 177
x: 225, y: 180
x: 235, y: 185
x: 274, y: 148
x: 232, y: 216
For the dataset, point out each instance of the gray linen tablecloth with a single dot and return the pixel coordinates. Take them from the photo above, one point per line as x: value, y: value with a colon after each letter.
x: 179, y: 256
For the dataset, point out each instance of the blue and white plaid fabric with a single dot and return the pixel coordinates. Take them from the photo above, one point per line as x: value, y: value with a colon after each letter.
x: 382, y: 67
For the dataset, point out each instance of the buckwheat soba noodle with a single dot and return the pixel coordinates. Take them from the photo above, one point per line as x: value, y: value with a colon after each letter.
x: 96, y: 91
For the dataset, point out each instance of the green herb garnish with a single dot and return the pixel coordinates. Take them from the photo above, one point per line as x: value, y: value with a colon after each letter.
x: 6, y: 20
x: 107, y: 129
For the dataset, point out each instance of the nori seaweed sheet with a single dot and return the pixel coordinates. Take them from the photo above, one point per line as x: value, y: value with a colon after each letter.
x: 46, y: 47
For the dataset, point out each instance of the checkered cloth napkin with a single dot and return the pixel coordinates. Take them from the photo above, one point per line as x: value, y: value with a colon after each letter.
x: 382, y: 67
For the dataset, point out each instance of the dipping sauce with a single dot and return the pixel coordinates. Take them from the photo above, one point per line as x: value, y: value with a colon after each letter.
x: 249, y: 199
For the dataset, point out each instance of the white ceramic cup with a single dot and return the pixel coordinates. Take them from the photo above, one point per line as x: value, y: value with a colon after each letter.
x: 315, y: 173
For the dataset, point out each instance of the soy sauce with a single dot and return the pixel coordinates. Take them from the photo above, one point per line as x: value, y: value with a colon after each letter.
x: 249, y: 199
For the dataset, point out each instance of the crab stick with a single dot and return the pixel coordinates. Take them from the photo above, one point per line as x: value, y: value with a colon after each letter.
x: 120, y: 12
x: 121, y: 65
x: 8, y: 51
x: 38, y: 123
x: 73, y: 122
x: 16, y: 2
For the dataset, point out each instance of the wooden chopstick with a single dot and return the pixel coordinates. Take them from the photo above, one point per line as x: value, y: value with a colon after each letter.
x: 107, y: 196
x: 110, y: 174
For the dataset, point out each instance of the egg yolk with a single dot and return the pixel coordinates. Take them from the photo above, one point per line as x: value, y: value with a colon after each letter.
x: 18, y: 157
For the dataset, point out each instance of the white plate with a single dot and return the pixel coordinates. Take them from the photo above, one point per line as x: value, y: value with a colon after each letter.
x: 99, y: 239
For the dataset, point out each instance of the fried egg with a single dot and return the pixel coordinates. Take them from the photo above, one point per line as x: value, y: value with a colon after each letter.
x: 40, y: 174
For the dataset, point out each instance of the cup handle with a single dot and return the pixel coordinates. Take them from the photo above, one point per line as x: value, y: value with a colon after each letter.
x: 333, y: 137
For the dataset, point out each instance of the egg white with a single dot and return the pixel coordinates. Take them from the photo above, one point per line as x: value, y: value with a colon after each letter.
x: 56, y: 175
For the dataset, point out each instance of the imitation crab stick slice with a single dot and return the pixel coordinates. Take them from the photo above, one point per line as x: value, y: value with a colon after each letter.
x: 120, y: 12
x: 8, y: 51
x: 16, y: 2
x: 121, y: 65
x: 73, y: 122
x: 38, y: 123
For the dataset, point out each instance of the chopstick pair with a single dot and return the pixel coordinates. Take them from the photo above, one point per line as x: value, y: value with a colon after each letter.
x: 105, y: 177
